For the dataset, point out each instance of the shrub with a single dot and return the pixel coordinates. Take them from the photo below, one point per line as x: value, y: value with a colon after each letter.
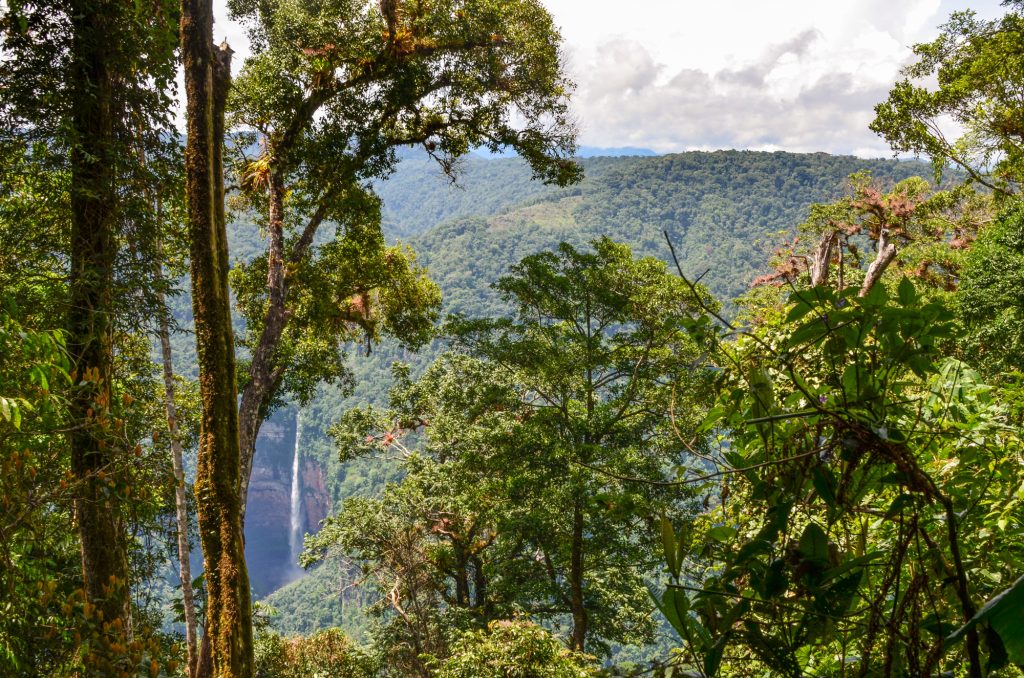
x: 325, y: 654
x: 512, y: 649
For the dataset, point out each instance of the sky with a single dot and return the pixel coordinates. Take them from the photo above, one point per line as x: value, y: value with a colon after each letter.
x: 675, y: 75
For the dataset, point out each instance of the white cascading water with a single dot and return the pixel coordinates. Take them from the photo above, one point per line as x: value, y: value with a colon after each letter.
x: 295, y: 536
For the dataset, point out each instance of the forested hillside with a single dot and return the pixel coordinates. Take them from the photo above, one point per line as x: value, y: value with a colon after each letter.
x: 727, y: 211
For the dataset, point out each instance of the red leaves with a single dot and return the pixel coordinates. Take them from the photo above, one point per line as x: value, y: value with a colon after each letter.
x: 891, y: 212
x: 326, y: 50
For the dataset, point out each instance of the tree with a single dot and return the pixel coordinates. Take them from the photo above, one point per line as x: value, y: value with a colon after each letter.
x: 850, y: 525
x: 333, y: 88
x: 977, y: 65
x: 85, y: 142
x: 37, y: 555
x: 327, y: 652
x: 553, y: 435
x: 96, y: 64
x: 180, y: 491
x: 427, y: 548
x: 912, y: 228
x: 597, y: 354
x: 351, y: 290
x: 80, y: 107
x: 227, y: 642
x: 989, y: 297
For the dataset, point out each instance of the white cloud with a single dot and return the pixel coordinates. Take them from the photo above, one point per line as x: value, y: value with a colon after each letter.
x: 799, y: 75
x: 773, y: 102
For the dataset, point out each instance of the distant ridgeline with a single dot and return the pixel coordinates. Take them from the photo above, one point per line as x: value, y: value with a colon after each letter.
x: 726, y: 212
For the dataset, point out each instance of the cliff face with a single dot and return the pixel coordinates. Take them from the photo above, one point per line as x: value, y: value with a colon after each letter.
x: 316, y: 500
x: 268, y: 516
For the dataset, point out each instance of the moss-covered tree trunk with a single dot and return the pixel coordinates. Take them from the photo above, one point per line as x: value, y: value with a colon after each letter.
x: 94, y: 217
x: 227, y: 642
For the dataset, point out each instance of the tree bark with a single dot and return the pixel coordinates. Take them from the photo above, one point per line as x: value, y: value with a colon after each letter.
x: 480, y: 587
x: 886, y: 253
x: 822, y: 257
x: 94, y: 215
x: 577, y: 605
x: 227, y: 642
x: 461, y: 576
x: 262, y: 380
x: 180, y: 503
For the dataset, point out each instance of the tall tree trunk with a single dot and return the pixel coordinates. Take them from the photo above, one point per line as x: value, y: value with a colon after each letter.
x: 227, y: 642
x: 262, y: 379
x: 94, y: 205
x: 461, y: 576
x: 577, y: 604
x: 180, y: 503
x: 480, y: 587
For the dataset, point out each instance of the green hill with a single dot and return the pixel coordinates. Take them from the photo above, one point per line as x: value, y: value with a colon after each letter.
x: 724, y: 210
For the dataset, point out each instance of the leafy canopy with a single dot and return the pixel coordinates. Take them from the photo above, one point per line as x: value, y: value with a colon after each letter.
x: 977, y: 66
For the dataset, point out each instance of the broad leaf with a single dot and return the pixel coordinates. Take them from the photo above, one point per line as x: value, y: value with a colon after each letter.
x: 1005, y: 614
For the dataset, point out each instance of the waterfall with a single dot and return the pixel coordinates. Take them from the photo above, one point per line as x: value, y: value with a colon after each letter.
x: 295, y: 535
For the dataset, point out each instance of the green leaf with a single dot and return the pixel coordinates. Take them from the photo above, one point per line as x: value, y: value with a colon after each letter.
x: 851, y: 381
x: 798, y: 311
x: 683, y: 539
x: 937, y: 626
x: 776, y: 522
x: 713, y: 658
x: 702, y: 633
x: 1005, y: 615
x: 668, y: 610
x: 762, y: 392
x: 907, y: 293
x: 824, y: 484
x: 722, y: 533
x: 877, y: 296
x: 754, y: 547
x: 813, y: 330
x: 898, y: 504
x: 850, y: 565
x: 836, y: 600
x: 680, y: 601
x: 668, y: 543
x: 814, y: 544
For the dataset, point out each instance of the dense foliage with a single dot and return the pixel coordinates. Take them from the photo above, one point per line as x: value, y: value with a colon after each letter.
x: 703, y: 414
x: 852, y: 528
x: 970, y: 75
x: 512, y: 649
x: 328, y: 653
x: 543, y: 440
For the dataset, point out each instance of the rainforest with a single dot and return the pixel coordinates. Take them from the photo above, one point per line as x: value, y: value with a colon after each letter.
x: 387, y: 339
